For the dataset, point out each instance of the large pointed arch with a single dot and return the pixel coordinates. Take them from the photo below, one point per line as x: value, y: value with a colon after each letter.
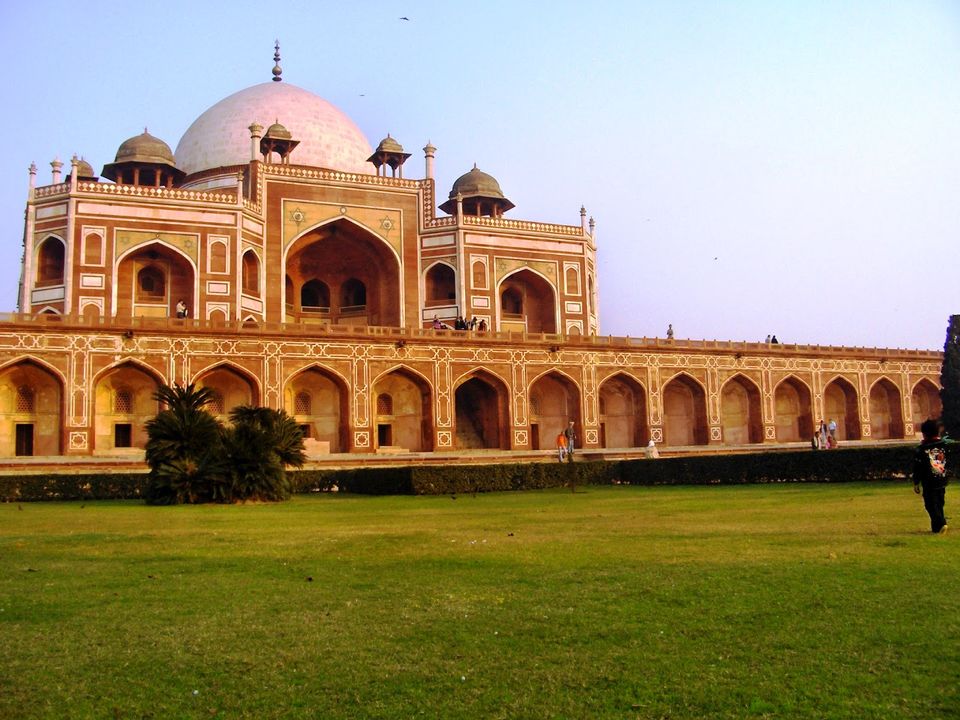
x: 886, y: 410
x: 482, y: 411
x: 925, y: 402
x: 684, y: 411
x: 341, y: 251
x: 31, y: 408
x: 50, y: 260
x: 318, y: 398
x: 232, y: 385
x: 439, y: 285
x: 180, y: 280
x: 623, y: 412
x: 527, y: 300
x: 406, y: 421
x: 124, y: 401
x: 553, y: 399
x: 841, y: 404
x: 793, y: 410
x: 741, y: 414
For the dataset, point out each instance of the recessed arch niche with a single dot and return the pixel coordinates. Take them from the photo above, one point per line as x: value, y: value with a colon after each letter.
x: 684, y: 412
x: 481, y: 402
x: 31, y: 410
x: 554, y: 401
x: 319, y: 402
x: 926, y: 403
x: 623, y: 413
x: 840, y: 404
x: 740, y: 412
x: 408, y: 420
x: 886, y: 411
x: 124, y: 402
x: 794, y: 413
x: 527, y: 302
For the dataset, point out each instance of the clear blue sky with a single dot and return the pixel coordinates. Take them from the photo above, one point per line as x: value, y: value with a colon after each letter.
x: 753, y: 167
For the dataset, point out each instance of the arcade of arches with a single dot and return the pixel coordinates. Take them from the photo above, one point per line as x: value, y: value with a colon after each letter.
x: 424, y: 396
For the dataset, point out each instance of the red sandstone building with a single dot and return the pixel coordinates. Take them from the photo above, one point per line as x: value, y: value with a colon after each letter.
x: 312, y: 272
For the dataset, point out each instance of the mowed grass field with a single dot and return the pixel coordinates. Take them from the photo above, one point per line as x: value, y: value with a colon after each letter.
x: 790, y: 601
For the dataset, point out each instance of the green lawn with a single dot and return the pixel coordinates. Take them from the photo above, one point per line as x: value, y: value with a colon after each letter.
x: 789, y: 601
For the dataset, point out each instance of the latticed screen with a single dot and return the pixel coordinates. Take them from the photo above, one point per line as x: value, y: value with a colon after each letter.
x: 216, y: 404
x: 25, y: 399
x: 123, y: 402
x: 384, y: 404
x: 302, y: 404
x: 535, y: 404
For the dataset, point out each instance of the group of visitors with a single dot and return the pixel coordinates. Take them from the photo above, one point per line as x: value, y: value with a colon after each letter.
x: 772, y: 340
x: 825, y: 438
x: 566, y: 443
x: 461, y: 324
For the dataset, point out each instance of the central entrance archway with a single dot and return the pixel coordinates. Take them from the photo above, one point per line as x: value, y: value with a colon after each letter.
x: 554, y: 402
x: 342, y: 274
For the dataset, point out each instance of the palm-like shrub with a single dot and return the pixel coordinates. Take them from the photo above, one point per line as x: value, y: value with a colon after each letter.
x: 184, y: 449
x: 194, y: 458
x: 258, y: 446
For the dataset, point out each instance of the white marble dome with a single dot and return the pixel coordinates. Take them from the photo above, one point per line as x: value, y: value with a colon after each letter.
x: 328, y: 138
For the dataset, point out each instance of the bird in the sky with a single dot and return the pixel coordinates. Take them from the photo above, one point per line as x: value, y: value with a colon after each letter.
x: 405, y: 18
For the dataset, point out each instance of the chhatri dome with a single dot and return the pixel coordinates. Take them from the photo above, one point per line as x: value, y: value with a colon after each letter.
x: 221, y: 135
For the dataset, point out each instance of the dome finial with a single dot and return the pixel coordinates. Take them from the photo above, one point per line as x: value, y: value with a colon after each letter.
x: 277, y: 70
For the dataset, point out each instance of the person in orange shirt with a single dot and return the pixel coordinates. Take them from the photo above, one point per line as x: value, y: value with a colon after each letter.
x: 561, y: 446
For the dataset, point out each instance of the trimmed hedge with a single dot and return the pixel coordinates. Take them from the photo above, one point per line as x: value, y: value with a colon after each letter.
x: 87, y: 486
x: 843, y: 465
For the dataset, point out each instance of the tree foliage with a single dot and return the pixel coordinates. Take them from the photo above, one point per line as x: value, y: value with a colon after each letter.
x: 950, y: 378
x: 194, y: 458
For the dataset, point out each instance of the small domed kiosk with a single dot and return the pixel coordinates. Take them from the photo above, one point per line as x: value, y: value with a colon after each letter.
x: 389, y: 153
x: 144, y: 160
x: 277, y: 140
x: 479, y: 193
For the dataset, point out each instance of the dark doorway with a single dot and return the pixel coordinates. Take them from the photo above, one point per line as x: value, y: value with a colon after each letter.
x: 384, y: 435
x: 24, y: 439
x: 123, y: 435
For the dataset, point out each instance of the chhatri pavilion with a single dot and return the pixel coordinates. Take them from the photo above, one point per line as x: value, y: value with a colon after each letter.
x: 280, y: 259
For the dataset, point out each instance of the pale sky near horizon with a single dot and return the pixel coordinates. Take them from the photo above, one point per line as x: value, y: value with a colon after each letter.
x: 753, y: 167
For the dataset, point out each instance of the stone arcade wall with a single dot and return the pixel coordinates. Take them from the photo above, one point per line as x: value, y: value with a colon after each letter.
x: 359, y: 389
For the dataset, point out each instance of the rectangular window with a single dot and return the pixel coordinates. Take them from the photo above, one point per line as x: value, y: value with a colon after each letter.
x: 123, y: 435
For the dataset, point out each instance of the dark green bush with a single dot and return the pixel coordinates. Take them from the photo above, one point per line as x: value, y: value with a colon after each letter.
x: 88, y: 486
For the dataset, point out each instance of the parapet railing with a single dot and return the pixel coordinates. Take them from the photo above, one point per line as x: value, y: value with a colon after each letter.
x: 555, y: 342
x: 140, y: 191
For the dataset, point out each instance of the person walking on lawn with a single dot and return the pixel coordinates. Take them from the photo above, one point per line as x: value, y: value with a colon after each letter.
x: 930, y: 473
